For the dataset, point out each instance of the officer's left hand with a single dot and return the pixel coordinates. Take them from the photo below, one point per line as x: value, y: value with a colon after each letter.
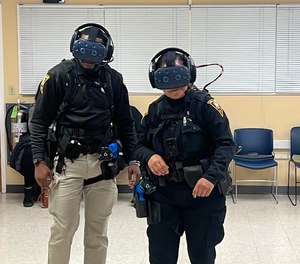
x: 202, y: 188
x: 134, y: 174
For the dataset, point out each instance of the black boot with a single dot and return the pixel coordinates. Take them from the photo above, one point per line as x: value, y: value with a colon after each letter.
x: 28, y: 197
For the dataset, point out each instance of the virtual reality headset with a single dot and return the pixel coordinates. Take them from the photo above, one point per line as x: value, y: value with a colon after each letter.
x: 89, y: 51
x: 171, y: 77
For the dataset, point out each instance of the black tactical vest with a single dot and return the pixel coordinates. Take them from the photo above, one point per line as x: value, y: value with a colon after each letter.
x: 181, y: 136
x: 88, y: 112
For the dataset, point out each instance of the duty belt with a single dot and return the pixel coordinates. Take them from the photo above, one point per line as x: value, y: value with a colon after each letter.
x: 79, y: 132
x: 175, y: 174
x: 88, y: 149
x: 75, y: 149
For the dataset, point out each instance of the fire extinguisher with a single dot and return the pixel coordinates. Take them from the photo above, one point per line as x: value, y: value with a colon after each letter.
x: 18, y: 116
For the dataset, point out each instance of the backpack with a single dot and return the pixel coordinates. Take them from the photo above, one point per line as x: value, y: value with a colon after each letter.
x: 15, y: 160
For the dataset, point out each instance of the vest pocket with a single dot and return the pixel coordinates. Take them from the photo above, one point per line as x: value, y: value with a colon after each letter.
x: 193, y: 141
x: 155, y: 138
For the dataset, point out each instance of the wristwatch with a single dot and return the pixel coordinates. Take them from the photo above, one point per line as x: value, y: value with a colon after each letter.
x: 37, y: 160
x: 134, y: 162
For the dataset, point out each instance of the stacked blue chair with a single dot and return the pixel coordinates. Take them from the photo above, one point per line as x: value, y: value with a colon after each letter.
x: 255, y: 152
x: 295, y: 160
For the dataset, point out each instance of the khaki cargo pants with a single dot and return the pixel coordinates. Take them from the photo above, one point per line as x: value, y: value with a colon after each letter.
x: 64, y: 205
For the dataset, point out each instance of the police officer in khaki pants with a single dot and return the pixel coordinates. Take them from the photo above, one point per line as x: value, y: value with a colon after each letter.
x: 88, y: 155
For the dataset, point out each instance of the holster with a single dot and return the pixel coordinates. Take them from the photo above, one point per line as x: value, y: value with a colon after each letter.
x: 52, y: 144
x: 112, y: 160
x: 145, y: 206
x: 154, y: 212
x: 67, y: 150
x: 225, y: 184
x: 140, y: 202
x: 73, y: 150
x: 148, y: 208
x: 110, y: 169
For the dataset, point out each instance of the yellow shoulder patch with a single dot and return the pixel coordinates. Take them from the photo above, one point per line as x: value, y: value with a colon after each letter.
x: 46, y: 78
x: 216, y: 106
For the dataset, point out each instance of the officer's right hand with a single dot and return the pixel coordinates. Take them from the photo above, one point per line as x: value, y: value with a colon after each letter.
x: 43, y: 174
x: 157, y: 165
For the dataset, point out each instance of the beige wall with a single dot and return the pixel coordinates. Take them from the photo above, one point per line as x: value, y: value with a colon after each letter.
x: 279, y: 113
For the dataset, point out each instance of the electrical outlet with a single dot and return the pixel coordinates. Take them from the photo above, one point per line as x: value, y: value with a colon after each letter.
x: 11, y: 90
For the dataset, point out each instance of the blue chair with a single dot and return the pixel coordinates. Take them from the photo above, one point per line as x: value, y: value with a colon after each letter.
x: 255, y: 152
x: 294, y: 159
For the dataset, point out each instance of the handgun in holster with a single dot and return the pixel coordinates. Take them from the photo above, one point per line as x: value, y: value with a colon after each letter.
x: 140, y: 202
x: 145, y: 206
x: 52, y: 144
x: 73, y: 150
x: 112, y: 160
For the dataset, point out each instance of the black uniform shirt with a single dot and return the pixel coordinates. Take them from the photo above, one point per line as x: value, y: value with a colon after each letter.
x: 87, y: 109
x: 215, y: 137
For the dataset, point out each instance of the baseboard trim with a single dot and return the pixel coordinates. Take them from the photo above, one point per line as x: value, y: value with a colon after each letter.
x: 14, y: 188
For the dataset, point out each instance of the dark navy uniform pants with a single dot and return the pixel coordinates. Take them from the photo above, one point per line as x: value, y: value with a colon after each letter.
x: 200, y: 218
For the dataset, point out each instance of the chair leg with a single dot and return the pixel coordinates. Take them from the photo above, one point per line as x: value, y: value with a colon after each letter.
x: 288, y: 190
x: 276, y: 181
x: 234, y: 176
x: 296, y: 185
x: 274, y: 185
x: 232, y: 197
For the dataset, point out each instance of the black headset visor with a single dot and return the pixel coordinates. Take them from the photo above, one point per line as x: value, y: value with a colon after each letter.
x: 171, y: 77
x: 89, y: 51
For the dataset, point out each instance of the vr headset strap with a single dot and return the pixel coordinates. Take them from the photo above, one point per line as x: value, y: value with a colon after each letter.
x: 170, y: 58
x: 93, y: 34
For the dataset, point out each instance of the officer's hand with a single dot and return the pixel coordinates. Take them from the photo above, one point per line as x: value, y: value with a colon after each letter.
x: 134, y: 174
x: 157, y: 165
x: 202, y: 188
x: 43, y: 174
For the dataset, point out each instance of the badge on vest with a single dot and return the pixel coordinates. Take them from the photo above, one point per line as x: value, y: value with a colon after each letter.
x: 216, y: 106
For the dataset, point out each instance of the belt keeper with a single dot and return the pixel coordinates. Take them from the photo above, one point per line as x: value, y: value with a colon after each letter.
x: 134, y: 162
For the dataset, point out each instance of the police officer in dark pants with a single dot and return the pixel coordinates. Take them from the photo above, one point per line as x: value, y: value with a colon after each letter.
x: 81, y: 98
x: 185, y: 146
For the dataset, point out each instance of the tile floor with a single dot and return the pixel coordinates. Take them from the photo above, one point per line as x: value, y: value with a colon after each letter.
x: 257, y: 231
